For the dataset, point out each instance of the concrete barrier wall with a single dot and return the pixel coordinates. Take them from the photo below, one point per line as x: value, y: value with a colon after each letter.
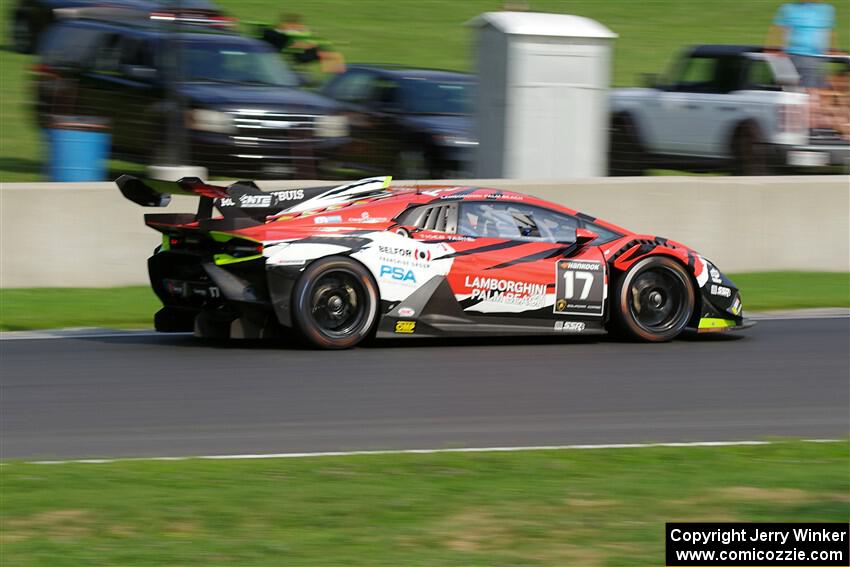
x: 87, y: 234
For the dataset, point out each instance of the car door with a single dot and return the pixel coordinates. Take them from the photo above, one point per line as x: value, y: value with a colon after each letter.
x: 353, y: 90
x: 139, y: 96
x: 680, y: 113
x: 521, y: 264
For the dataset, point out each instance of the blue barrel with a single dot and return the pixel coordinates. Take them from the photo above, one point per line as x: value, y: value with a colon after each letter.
x: 78, y: 148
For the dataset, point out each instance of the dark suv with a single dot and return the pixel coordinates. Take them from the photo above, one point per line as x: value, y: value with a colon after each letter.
x: 415, y: 123
x: 30, y: 18
x: 242, y: 107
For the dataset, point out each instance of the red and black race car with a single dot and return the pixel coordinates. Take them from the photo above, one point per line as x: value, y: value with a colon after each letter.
x: 339, y: 264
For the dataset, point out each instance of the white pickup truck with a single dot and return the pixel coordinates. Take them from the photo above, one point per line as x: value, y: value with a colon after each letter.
x: 733, y: 108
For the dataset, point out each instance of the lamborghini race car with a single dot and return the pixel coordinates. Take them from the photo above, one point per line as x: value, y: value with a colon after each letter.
x: 339, y: 264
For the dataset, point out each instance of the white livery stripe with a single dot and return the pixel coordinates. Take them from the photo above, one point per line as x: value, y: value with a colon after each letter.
x: 436, y: 451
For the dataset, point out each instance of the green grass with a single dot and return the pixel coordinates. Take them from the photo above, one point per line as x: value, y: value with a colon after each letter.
x: 133, y: 307
x: 53, y: 308
x: 793, y: 290
x: 568, y: 507
x: 432, y: 33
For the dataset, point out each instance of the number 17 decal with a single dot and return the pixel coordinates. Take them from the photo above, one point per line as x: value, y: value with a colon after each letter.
x: 579, y: 288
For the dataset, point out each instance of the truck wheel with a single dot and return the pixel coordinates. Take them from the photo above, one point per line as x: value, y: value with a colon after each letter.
x: 625, y: 155
x: 653, y: 301
x: 335, y: 303
x: 749, y: 152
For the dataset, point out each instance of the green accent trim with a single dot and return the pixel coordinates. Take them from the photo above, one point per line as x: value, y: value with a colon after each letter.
x: 712, y: 323
x: 166, y: 243
x: 387, y: 180
x: 219, y: 236
x: 224, y: 259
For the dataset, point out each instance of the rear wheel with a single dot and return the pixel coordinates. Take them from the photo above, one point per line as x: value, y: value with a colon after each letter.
x: 749, y: 152
x: 335, y: 303
x: 626, y: 156
x: 654, y: 300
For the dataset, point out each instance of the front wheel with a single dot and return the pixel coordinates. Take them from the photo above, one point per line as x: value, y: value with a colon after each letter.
x: 654, y: 300
x: 335, y: 303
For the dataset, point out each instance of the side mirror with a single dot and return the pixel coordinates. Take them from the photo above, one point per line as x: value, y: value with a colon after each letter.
x: 584, y: 237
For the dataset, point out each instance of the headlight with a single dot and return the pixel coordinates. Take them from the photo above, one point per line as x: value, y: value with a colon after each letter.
x: 210, y: 121
x: 454, y: 140
x: 332, y: 126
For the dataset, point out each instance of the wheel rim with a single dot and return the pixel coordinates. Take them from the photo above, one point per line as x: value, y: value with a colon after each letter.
x: 338, y: 303
x: 657, y: 299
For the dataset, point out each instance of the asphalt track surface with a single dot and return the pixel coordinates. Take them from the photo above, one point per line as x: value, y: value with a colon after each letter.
x: 177, y: 396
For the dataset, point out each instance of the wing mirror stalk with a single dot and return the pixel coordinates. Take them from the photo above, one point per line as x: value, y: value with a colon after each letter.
x: 583, y: 238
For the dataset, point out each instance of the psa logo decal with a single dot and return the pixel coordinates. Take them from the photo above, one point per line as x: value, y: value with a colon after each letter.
x: 397, y: 273
x: 405, y: 327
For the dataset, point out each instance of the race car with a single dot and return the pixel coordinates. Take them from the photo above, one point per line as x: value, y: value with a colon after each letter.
x: 337, y: 265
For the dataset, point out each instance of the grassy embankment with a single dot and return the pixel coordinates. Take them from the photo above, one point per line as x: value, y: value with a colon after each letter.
x: 133, y: 307
x: 431, y: 33
x: 568, y: 507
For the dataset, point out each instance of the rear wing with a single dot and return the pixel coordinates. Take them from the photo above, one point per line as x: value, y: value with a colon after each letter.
x: 243, y: 204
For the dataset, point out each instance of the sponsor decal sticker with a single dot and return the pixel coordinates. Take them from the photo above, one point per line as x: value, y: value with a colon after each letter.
x: 715, y: 275
x: 720, y: 290
x: 398, y: 274
x: 393, y: 251
x: 406, y: 312
x: 569, y: 326
x: 255, y: 201
x: 405, y: 327
x: 327, y: 220
x: 226, y: 202
x: 290, y: 195
x: 579, y: 287
x: 532, y: 295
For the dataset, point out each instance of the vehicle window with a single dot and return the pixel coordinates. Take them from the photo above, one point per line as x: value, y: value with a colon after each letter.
x: 422, y: 96
x: 709, y: 75
x: 354, y: 87
x: 107, y: 54
x: 697, y: 74
x: 386, y: 93
x: 137, y: 53
x: 238, y: 63
x: 69, y: 45
x: 516, y: 221
x: 760, y: 76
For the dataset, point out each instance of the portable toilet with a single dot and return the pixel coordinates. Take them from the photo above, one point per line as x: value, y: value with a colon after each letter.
x: 542, y: 102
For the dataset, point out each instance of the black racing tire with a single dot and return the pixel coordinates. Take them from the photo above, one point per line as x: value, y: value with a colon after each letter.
x: 749, y: 152
x: 653, y: 300
x: 626, y: 155
x: 335, y: 303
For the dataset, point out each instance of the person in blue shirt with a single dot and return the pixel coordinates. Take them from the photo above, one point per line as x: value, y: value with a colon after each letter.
x: 805, y: 29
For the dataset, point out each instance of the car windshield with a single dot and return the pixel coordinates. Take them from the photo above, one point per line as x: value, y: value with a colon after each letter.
x: 241, y: 64
x: 422, y: 96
